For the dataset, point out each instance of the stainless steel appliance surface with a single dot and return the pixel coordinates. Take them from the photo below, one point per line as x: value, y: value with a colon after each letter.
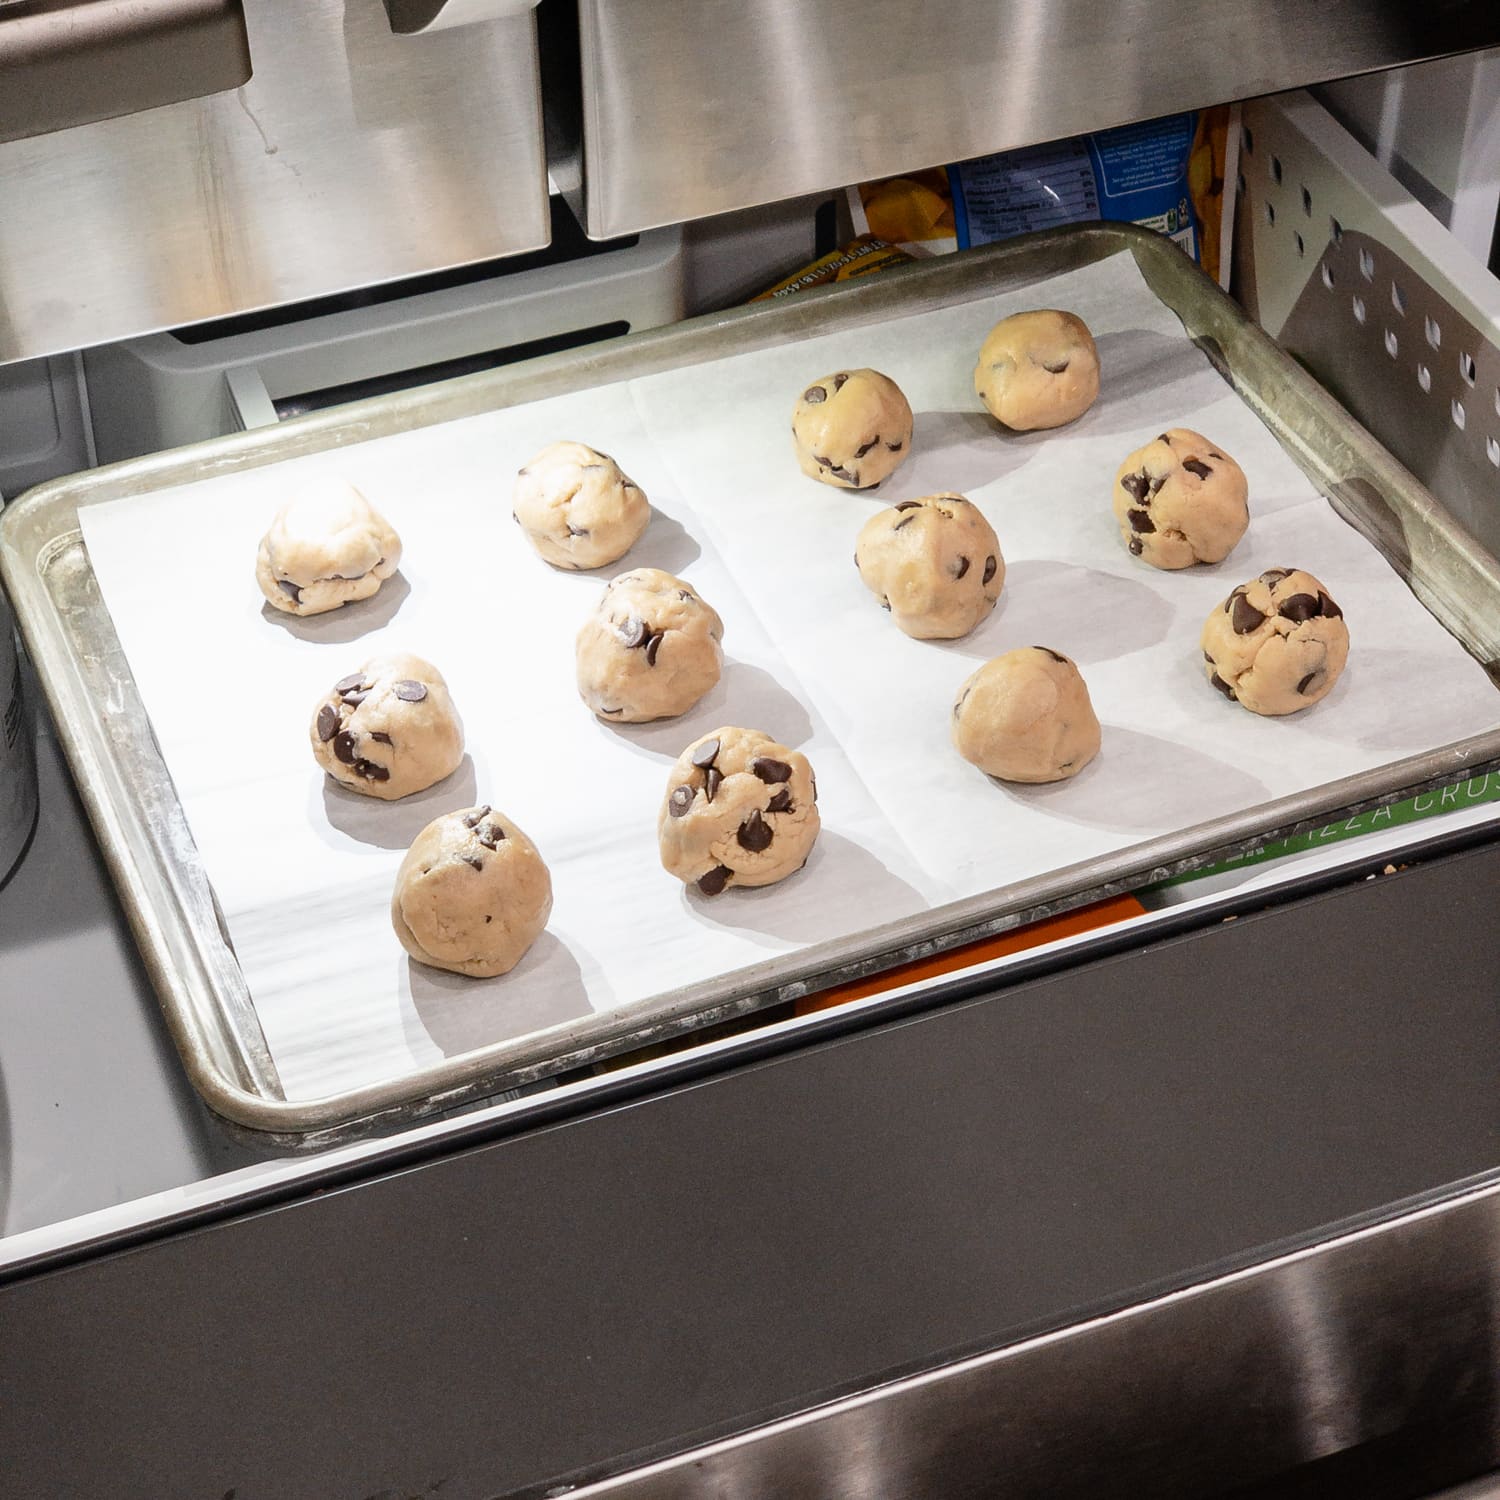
x: 693, y: 107
x: 353, y: 155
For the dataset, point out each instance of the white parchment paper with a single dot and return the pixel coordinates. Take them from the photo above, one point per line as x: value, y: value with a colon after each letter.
x: 303, y: 869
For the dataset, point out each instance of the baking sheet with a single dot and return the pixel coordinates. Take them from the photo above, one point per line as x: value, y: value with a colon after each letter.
x: 303, y: 869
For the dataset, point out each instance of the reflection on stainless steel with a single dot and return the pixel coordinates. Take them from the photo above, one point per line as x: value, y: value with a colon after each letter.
x: 352, y: 156
x: 696, y: 107
x: 411, y: 16
x: 69, y: 64
x: 1197, y: 1392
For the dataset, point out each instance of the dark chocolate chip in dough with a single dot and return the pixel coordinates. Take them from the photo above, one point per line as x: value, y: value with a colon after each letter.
x: 904, y: 521
x: 1135, y: 485
x: 1275, y: 575
x: 353, y: 700
x: 1197, y: 466
x: 381, y: 737
x: 712, y: 779
x: 349, y: 684
x: 755, y: 833
x: 1140, y: 520
x: 1055, y: 655
x: 814, y: 394
x: 895, y: 447
x: 652, y: 647
x: 839, y: 379
x: 772, y: 772
x: 812, y: 777
x: 1298, y: 608
x: 474, y: 861
x: 471, y: 820
x: 328, y: 723
x: 715, y: 881
x: 885, y: 604
x: 1165, y: 438
x: 873, y: 443
x: 491, y: 835
x: 611, y: 710
x: 409, y: 691
x: 845, y: 474
x: 706, y: 753
x: 680, y: 801
x: 580, y: 530
x: 781, y: 802
x: 634, y: 632
x: 1136, y: 546
x: 686, y: 597
x: 907, y: 505
x: 1222, y: 686
x: 1157, y: 480
x: 1326, y: 606
x: 1246, y: 617
x: 290, y: 589
x: 370, y: 771
x: 344, y: 745
x: 826, y: 463
x: 960, y: 567
x: 989, y: 569
x: 1208, y: 657
x: 1302, y: 686
x: 1057, y: 368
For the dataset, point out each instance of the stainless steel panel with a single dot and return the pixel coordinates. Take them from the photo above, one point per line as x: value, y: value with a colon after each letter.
x: 694, y: 107
x: 145, y: 835
x: 352, y: 156
x: 80, y: 60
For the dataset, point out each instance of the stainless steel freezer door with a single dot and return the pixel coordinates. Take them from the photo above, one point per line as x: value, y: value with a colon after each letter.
x: 695, y: 107
x: 352, y: 156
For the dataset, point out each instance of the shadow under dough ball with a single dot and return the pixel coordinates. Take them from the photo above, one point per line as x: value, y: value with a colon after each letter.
x: 1180, y: 500
x: 852, y: 429
x: 388, y: 729
x: 934, y: 563
x: 740, y: 809
x: 1277, y: 644
x: 325, y: 548
x: 576, y: 507
x: 1026, y: 716
x: 1037, y: 370
x: 472, y: 894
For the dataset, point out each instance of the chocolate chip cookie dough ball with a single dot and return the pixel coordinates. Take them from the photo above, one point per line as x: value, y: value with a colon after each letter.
x: 1277, y: 644
x: 852, y: 429
x: 576, y: 507
x: 1037, y: 369
x: 1026, y: 716
x: 389, y: 729
x: 326, y: 547
x: 740, y: 809
x: 1180, y: 501
x: 472, y: 894
x: 650, y: 650
x: 934, y: 563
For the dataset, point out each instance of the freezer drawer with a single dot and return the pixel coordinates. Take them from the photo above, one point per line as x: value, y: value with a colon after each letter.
x: 694, y: 107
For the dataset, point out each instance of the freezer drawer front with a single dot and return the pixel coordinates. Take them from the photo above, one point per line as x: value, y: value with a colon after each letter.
x: 695, y: 107
x: 352, y: 156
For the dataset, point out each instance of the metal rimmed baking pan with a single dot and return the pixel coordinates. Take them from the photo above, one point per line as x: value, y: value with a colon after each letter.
x: 145, y: 836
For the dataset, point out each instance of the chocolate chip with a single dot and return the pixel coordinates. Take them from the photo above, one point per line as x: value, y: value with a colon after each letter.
x: 826, y: 463
x: 885, y: 604
x: 472, y: 820
x: 1053, y: 654
x: 328, y: 723
x: 772, y: 772
x: 353, y: 700
x: 633, y: 632
x: 652, y: 647
x: 1165, y: 438
x: 1235, y: 594
x: 1218, y: 456
x: 680, y: 801
x: 848, y: 475
x: 1208, y: 658
x: 838, y: 380
x: 755, y: 833
x: 1302, y: 686
x: 344, y: 747
x: 781, y: 802
x: 474, y: 861
x: 1140, y: 520
x: 349, y: 684
x: 812, y: 777
x: 712, y: 778
x: 1136, y: 546
x: 873, y: 443
x: 1222, y: 686
x: 491, y: 835
x: 408, y: 691
x: 525, y: 469
x: 686, y: 597
x: 291, y: 590
x: 1056, y: 369
x: 715, y: 881
x: 1275, y: 575
x: 904, y: 521
x: 1135, y: 485
x: 814, y: 394
x: 960, y: 568
x: 895, y: 447
x: 1298, y: 608
x: 989, y: 569
x: 580, y: 530
x: 705, y: 754
x: 1326, y: 606
x: 907, y: 505
x: 1246, y: 616
x: 611, y: 710
x: 370, y: 771
x: 1196, y: 466
x: 381, y: 737
x: 1157, y: 480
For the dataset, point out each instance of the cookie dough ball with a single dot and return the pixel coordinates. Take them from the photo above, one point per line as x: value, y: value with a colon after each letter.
x: 1026, y: 716
x: 1037, y: 369
x: 1277, y: 644
x: 389, y: 729
x: 576, y: 507
x: 650, y: 650
x: 934, y: 563
x: 326, y: 547
x: 1180, y: 501
x: 472, y: 894
x: 740, y: 809
x: 852, y: 429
